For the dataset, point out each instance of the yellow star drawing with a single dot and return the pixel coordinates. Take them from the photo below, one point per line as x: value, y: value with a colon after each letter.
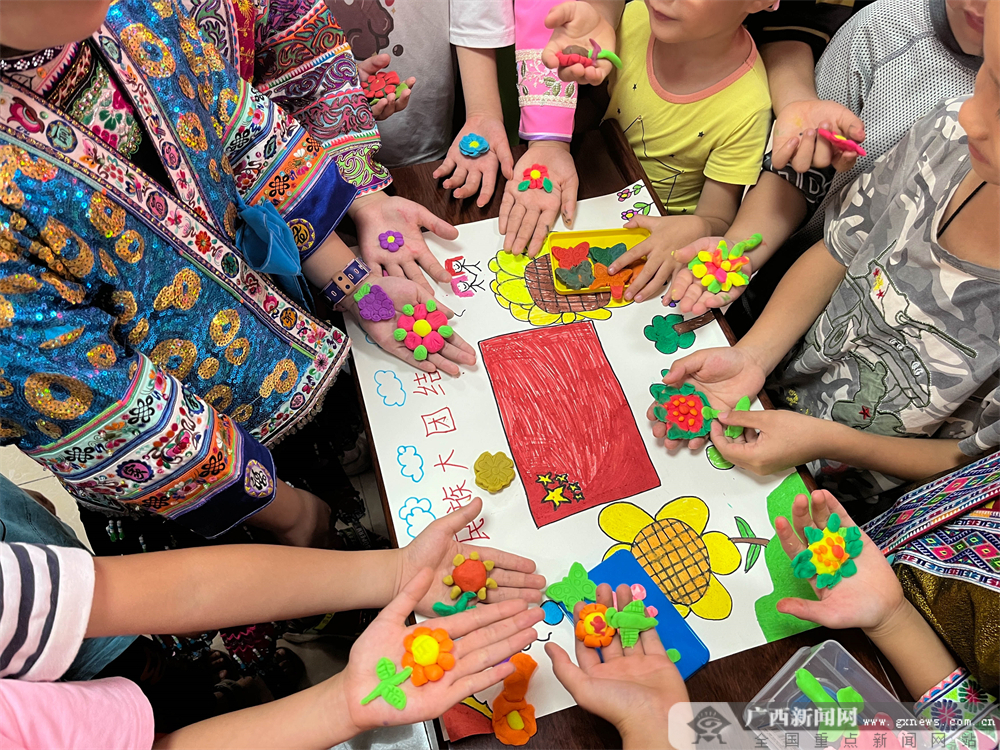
x: 555, y: 497
x: 544, y: 479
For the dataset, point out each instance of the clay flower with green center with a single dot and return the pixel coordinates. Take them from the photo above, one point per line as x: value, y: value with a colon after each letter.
x: 830, y: 553
x: 494, y: 471
x: 536, y: 177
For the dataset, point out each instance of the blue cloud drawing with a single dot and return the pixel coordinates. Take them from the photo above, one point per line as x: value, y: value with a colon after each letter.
x: 411, y: 463
x: 416, y: 512
x: 390, y: 388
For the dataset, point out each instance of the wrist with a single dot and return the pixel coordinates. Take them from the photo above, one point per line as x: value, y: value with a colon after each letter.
x: 334, y: 707
x: 652, y: 731
x: 552, y: 145
x: 894, y: 624
x: 363, y: 201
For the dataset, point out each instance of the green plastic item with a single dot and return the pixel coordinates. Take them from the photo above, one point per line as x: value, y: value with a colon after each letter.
x: 847, y: 698
x: 715, y: 458
x: 734, y: 430
x: 741, y: 248
x: 606, y: 54
x: 630, y: 621
x: 388, y: 687
x: 466, y: 601
x: 574, y: 588
x: 420, y: 353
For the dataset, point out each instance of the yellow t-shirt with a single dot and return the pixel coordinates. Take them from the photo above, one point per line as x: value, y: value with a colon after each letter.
x: 680, y: 140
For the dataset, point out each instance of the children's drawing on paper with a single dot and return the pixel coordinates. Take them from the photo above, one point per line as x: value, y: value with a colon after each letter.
x: 574, y: 440
x: 677, y: 552
x: 416, y: 513
x: 411, y: 463
x: 389, y: 388
x: 467, y: 277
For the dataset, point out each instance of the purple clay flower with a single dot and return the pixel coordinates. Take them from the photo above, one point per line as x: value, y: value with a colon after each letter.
x: 376, y: 305
x: 391, y: 240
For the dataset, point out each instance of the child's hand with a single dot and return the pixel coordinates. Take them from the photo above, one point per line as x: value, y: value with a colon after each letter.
x: 482, y: 637
x: 387, y: 105
x: 468, y: 173
x: 633, y: 688
x: 376, y: 213
x: 688, y: 292
x: 724, y: 374
x: 435, y: 547
x: 575, y: 24
x: 527, y: 216
x: 868, y: 599
x: 775, y: 439
x: 796, y: 140
x: 667, y: 235
x: 404, y: 292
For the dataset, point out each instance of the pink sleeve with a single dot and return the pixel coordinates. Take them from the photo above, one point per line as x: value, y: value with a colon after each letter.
x: 111, y: 714
x: 547, y: 104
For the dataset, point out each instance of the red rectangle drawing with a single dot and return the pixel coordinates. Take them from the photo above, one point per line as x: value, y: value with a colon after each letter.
x: 570, y: 429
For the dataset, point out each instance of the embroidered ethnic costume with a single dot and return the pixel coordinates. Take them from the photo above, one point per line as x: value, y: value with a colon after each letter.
x: 145, y: 361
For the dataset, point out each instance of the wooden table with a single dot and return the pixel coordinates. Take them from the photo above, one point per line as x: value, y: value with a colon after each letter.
x: 609, y: 166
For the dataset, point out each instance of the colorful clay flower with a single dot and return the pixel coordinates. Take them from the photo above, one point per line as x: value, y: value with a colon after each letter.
x: 842, y: 143
x: 373, y: 303
x: 592, y: 627
x: 513, y: 717
x: 423, y: 329
x: 470, y: 574
x: 428, y: 652
x: 719, y: 270
x: 536, y: 177
x: 494, y: 471
x: 391, y: 240
x: 682, y: 409
x: 381, y: 84
x: 829, y: 554
x: 473, y: 145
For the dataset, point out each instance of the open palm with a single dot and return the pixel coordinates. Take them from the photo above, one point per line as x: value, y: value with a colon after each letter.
x: 723, y: 374
x: 864, y: 600
x: 483, y: 637
x: 435, y: 547
x: 576, y: 24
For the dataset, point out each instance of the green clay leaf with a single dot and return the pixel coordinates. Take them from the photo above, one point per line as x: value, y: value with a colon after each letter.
x: 833, y: 524
x: 848, y: 569
x: 733, y: 431
x: 660, y: 413
x: 851, y: 533
x: 524, y: 186
x: 394, y: 696
x: 608, y: 255
x: 408, y: 310
x: 715, y: 458
x: 385, y: 669
x: 431, y: 305
x: 547, y: 185
x: 812, y: 688
x: 659, y: 392
x: 813, y: 534
x: 848, y: 697
x: 399, y: 334
x: 446, y: 332
x: 743, y: 404
x: 420, y: 353
x: 709, y: 413
x: 825, y: 580
x: 854, y: 547
x: 360, y: 294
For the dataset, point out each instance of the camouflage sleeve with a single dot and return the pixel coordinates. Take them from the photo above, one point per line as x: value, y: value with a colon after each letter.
x: 984, y: 416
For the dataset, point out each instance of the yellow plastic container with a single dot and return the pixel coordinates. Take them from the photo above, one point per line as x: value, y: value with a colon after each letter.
x: 596, y: 238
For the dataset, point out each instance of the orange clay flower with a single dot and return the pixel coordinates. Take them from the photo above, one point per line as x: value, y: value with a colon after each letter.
x: 427, y: 651
x: 592, y: 628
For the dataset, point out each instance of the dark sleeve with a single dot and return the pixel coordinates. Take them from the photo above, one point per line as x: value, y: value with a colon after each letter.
x: 811, y: 21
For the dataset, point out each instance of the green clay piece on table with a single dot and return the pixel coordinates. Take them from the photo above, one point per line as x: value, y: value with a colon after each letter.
x: 664, y: 336
x: 830, y: 554
x: 420, y: 353
x: 547, y: 185
x: 715, y: 458
x: 408, y: 310
x: 847, y: 698
x: 446, y: 332
x: 812, y: 689
x: 399, y: 334
x: 578, y: 277
x: 630, y: 621
x: 466, y: 601
x: 607, y: 255
x: 524, y: 185
x: 388, y: 686
x: 611, y: 57
x: 362, y: 292
x: 674, y: 655
x: 576, y: 587
x: 734, y: 430
x: 681, y: 409
x: 431, y: 305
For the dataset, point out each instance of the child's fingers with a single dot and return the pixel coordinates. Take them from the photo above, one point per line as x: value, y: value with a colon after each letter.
x: 801, y: 517
x: 506, y: 205
x: 655, y: 285
x: 790, y: 543
x: 482, y: 616
x: 587, y: 658
x: 471, y: 186
x: 614, y: 649
x: 651, y: 644
x: 514, y: 221
x: 804, y: 155
x: 569, y: 191
x: 527, y: 229
x: 455, y: 522
x: 631, y: 256
x: 477, y: 650
x: 805, y: 609
x: 505, y: 560
x: 516, y: 579
x: 506, y: 158
x: 475, y: 683
x: 457, y: 178
x: 833, y: 505
x: 572, y: 677
x: 683, y: 279
x: 489, y: 185
x: 691, y: 296
x: 819, y: 509
x: 783, y: 152
x: 546, y: 221
x: 446, y: 167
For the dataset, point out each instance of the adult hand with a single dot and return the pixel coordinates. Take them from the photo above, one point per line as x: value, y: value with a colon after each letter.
x: 470, y: 173
x: 667, y: 235
x: 480, y: 638
x: 869, y: 599
x: 390, y: 104
x: 435, y: 547
x: 797, y: 142
x: 527, y: 216
x: 688, y: 292
x: 632, y: 688
x: 724, y: 374
x: 377, y: 213
x: 404, y: 292
x: 773, y: 439
x: 575, y: 24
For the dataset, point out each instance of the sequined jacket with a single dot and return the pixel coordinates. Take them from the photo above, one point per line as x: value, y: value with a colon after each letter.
x: 141, y: 359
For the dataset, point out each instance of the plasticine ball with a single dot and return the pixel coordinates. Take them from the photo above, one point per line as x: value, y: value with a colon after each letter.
x: 434, y: 342
x: 422, y: 327
x: 399, y: 334
x: 412, y: 341
x: 425, y: 650
x: 420, y: 353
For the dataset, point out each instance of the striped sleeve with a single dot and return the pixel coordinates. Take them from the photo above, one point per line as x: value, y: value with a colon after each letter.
x: 45, y: 598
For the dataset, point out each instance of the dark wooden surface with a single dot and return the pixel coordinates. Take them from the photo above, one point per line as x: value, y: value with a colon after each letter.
x: 605, y: 163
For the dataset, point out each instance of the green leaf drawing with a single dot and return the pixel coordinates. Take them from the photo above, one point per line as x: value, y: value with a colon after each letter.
x: 753, y: 552
x: 607, y: 255
x: 578, y: 277
x: 642, y: 207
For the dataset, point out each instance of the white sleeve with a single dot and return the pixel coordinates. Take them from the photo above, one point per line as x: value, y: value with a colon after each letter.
x: 482, y: 24
x: 45, y: 604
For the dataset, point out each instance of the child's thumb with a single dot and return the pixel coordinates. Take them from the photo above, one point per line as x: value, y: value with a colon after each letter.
x: 570, y: 675
x: 406, y: 601
x: 461, y: 518
x: 804, y: 609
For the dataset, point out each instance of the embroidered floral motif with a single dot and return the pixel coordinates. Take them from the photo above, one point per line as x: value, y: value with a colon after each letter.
x: 190, y: 131
x: 149, y: 51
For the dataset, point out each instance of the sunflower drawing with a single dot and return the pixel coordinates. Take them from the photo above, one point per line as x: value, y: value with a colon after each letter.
x: 524, y: 286
x: 677, y: 552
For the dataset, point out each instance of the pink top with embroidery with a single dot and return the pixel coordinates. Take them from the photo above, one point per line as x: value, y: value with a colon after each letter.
x: 548, y: 104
